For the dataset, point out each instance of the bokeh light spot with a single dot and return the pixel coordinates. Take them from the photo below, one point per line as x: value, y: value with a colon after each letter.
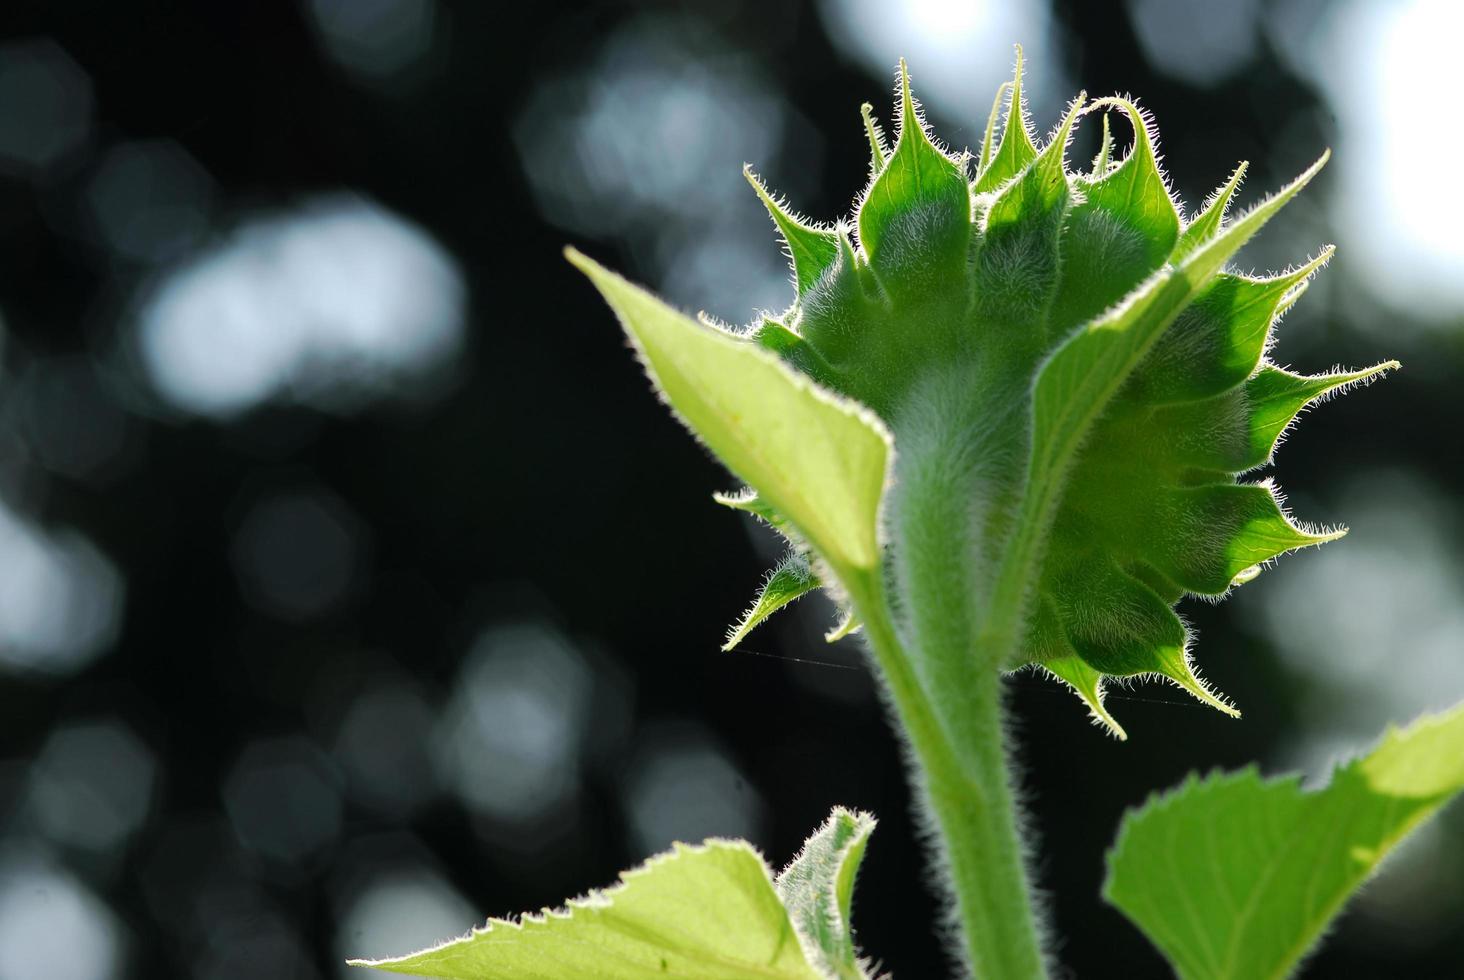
x: 682, y: 786
x: 150, y: 200
x: 374, y: 38
x: 45, y: 106
x: 383, y: 744
x: 1196, y: 41
x: 509, y: 742
x: 949, y: 45
x: 282, y: 798
x: 1390, y: 71
x: 71, y: 421
x: 647, y: 143
x: 60, y: 599
x: 1345, y: 615
x: 52, y: 926
x: 330, y: 305
x: 91, y: 785
x: 405, y: 909
x: 297, y: 554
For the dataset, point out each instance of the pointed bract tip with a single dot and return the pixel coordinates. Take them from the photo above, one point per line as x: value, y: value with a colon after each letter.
x: 1075, y: 109
x: 752, y: 178
x: 877, y: 152
x: 1202, y: 692
x: 585, y: 264
x: 1056, y: 151
x: 907, y: 101
x: 1304, y: 272
x: 1100, y: 714
x: 1306, y: 175
x: 845, y: 627
x: 986, y: 147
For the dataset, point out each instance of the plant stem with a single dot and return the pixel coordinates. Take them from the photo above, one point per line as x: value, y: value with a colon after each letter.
x: 960, y: 771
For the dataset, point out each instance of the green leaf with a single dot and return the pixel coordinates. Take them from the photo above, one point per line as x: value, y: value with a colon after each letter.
x: 1104, y: 157
x: 811, y: 250
x: 1016, y: 268
x: 877, y: 152
x: 817, y: 888
x: 985, y: 159
x: 747, y: 501
x: 1127, y: 225
x: 1239, y: 430
x: 792, y: 579
x: 1235, y: 876
x: 1275, y: 397
x: 1121, y: 627
x: 820, y: 461
x: 799, y: 353
x: 709, y: 912
x: 1054, y: 653
x: 847, y: 625
x: 1205, y: 224
x: 1219, y: 340
x: 1017, y: 149
x: 915, y: 220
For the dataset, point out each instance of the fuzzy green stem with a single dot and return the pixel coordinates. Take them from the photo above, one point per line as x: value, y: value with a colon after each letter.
x: 964, y: 787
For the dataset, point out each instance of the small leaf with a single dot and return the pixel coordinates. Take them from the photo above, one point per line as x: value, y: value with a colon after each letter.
x: 1040, y: 194
x: 1127, y: 226
x: 820, y: 461
x: 1017, y: 149
x: 812, y: 250
x: 792, y: 579
x: 1202, y: 537
x: 877, y: 152
x: 1239, y: 430
x: 1208, y: 221
x: 773, y: 336
x: 915, y: 219
x: 847, y: 625
x: 1237, y: 877
x: 748, y: 501
x: 1219, y: 341
x: 709, y: 912
x: 817, y: 888
x: 1016, y: 267
x: 1275, y: 397
x: 1121, y: 627
x: 1134, y: 190
x: 985, y: 158
x: 1087, y: 684
x: 1104, y: 157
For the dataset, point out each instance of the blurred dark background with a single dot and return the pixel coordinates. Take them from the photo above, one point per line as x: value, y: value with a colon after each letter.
x: 354, y: 586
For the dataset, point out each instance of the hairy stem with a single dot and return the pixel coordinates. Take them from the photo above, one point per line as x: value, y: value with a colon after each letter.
x: 964, y: 787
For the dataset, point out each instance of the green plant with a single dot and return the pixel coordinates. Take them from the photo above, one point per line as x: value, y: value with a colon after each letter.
x: 1003, y: 429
